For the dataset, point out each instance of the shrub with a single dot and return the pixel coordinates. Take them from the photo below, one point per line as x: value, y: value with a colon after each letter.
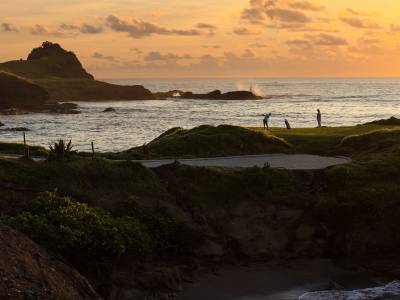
x: 61, y: 150
x: 67, y: 226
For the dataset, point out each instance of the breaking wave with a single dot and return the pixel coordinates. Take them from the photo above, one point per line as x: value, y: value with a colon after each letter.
x: 390, y: 290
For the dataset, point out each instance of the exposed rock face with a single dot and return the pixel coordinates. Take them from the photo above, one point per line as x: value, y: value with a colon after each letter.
x: 16, y: 92
x: 28, y: 272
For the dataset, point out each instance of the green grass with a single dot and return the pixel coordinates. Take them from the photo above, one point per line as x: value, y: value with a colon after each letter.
x: 382, y: 140
x: 326, y: 140
x: 19, y: 149
x: 224, y: 140
x: 205, y: 141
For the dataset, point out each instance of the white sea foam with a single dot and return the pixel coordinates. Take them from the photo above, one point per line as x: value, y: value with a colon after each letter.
x: 391, y: 290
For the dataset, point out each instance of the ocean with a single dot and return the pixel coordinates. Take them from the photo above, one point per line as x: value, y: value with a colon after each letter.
x: 342, y: 102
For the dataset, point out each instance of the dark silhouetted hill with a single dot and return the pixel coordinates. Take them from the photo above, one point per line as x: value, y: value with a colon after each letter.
x: 49, y: 60
x: 62, y: 75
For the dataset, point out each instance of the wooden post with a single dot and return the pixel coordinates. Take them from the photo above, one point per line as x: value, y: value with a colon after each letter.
x: 25, y: 152
x: 92, y: 150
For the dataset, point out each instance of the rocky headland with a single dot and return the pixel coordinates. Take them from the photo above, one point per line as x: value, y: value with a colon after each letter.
x: 53, y: 74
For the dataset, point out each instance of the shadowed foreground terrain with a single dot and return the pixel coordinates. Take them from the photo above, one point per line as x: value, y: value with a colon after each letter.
x: 138, y: 232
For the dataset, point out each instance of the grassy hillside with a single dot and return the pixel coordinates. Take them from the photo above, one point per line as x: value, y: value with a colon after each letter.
x: 16, y: 92
x: 326, y: 140
x: 209, y: 141
x: 206, y: 141
x: 90, y: 90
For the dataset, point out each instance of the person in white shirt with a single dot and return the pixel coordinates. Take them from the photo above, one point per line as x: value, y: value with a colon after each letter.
x: 266, y: 119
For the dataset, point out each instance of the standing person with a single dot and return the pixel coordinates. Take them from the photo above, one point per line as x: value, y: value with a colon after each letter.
x: 319, y: 118
x: 266, y: 119
x: 287, y: 124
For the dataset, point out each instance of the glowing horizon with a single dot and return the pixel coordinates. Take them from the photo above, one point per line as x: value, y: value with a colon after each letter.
x: 235, y: 38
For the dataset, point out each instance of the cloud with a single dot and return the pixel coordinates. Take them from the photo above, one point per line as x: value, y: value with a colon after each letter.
x: 90, y: 29
x: 287, y: 15
x: 157, y: 56
x: 44, y: 31
x: 279, y: 11
x: 244, y: 31
x: 360, y: 23
x: 367, y: 47
x: 7, y: 27
x: 324, y: 39
x: 137, y: 51
x: 395, y: 28
x: 211, y: 28
x: 253, y: 15
x: 98, y: 55
x: 248, y: 54
x: 84, y: 28
x: 297, y: 42
x: 212, y: 46
x: 306, y: 5
x: 139, y: 29
x: 257, y: 45
x: 357, y: 12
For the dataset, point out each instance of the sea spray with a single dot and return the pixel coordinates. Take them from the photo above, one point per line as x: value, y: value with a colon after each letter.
x: 249, y: 86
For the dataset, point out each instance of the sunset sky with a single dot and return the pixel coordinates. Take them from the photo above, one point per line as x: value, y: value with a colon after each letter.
x: 211, y: 38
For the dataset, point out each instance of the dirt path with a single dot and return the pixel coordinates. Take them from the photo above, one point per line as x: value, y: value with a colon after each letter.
x: 286, y: 161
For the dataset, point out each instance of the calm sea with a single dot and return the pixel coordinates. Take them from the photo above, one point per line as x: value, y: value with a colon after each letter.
x: 342, y: 102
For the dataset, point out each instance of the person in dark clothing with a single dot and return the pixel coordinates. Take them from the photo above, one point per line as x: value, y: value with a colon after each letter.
x: 287, y: 124
x: 266, y: 120
x: 319, y: 118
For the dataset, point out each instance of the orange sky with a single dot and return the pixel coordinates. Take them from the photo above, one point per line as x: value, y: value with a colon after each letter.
x: 208, y: 38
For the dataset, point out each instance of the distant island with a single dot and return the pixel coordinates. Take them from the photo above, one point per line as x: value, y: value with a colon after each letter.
x: 52, y: 74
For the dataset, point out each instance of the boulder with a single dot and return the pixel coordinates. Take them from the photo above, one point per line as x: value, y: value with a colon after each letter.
x: 109, y: 109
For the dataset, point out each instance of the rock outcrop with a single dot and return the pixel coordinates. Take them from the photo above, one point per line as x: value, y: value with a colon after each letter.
x: 218, y: 95
x: 28, y: 272
x: 214, y: 95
